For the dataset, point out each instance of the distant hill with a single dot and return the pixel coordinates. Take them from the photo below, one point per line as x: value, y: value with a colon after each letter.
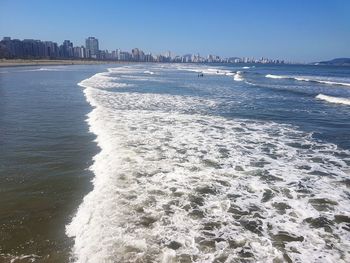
x: 336, y: 61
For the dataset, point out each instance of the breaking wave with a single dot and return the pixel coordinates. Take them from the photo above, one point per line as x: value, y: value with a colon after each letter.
x: 332, y: 99
x: 148, y: 72
x: 205, y: 70
x: 51, y: 68
x: 102, y: 80
x: 238, y: 76
x: 309, y: 79
x: 174, y: 185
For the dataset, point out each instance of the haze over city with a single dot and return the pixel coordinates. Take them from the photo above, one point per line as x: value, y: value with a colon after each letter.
x: 304, y: 31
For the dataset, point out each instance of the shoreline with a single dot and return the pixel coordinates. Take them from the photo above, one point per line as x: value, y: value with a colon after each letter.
x: 47, y: 62
x: 56, y: 184
x: 4, y: 63
x: 56, y: 62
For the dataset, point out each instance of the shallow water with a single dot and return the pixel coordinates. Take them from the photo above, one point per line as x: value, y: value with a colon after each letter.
x: 44, y: 152
x: 234, y: 166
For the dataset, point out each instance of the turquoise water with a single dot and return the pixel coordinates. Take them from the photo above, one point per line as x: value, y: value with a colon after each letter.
x: 246, y: 164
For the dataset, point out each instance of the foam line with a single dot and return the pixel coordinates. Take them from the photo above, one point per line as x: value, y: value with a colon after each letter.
x: 238, y: 76
x: 332, y: 99
x: 309, y: 79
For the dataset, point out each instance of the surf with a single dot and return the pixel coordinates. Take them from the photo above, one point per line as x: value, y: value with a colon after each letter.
x: 173, y: 186
x: 338, y: 100
x: 308, y: 79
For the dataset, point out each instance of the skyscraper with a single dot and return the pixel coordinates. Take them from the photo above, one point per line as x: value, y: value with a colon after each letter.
x: 67, y: 49
x: 92, y: 49
x: 135, y: 54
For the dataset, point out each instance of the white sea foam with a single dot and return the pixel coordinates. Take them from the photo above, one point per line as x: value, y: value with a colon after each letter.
x: 332, y: 99
x: 135, y: 69
x: 51, y: 68
x: 147, y: 102
x: 310, y: 79
x: 238, y: 76
x: 102, y: 80
x: 176, y: 187
x: 275, y: 76
x: 206, y: 70
x: 323, y: 81
x: 246, y: 67
x: 148, y: 72
x: 19, y: 258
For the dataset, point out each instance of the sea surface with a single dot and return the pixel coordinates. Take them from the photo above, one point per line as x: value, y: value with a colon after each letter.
x: 155, y: 163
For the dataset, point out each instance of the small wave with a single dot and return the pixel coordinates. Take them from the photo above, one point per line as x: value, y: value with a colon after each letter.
x: 238, y: 76
x: 148, y: 72
x: 204, y: 70
x: 102, y: 80
x: 246, y: 67
x: 308, y: 79
x: 333, y: 99
x: 324, y: 81
x: 128, y: 70
x: 46, y: 69
x: 276, y: 76
x: 214, y: 71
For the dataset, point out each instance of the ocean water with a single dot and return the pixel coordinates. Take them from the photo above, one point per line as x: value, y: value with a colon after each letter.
x: 245, y: 164
x: 45, y: 151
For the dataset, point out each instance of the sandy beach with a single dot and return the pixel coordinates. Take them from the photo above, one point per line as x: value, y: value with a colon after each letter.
x: 45, y: 62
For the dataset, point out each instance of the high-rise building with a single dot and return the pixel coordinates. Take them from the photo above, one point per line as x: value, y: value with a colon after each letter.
x: 118, y: 53
x: 51, y: 49
x: 33, y: 48
x: 149, y: 57
x: 168, y: 54
x: 125, y: 56
x: 79, y: 52
x: 92, y: 49
x: 66, y: 49
x: 135, y: 54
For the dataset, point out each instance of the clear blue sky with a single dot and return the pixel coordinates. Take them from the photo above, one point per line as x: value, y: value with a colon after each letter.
x: 300, y: 30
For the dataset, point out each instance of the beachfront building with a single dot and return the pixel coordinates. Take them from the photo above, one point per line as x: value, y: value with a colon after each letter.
x: 79, y: 52
x: 92, y: 49
x: 125, y: 56
x: 37, y: 49
x: 66, y: 49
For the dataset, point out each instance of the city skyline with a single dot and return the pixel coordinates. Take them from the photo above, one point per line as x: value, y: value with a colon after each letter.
x: 305, y: 31
x: 38, y: 49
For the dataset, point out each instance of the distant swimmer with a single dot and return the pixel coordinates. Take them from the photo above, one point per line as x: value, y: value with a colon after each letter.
x: 200, y: 75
